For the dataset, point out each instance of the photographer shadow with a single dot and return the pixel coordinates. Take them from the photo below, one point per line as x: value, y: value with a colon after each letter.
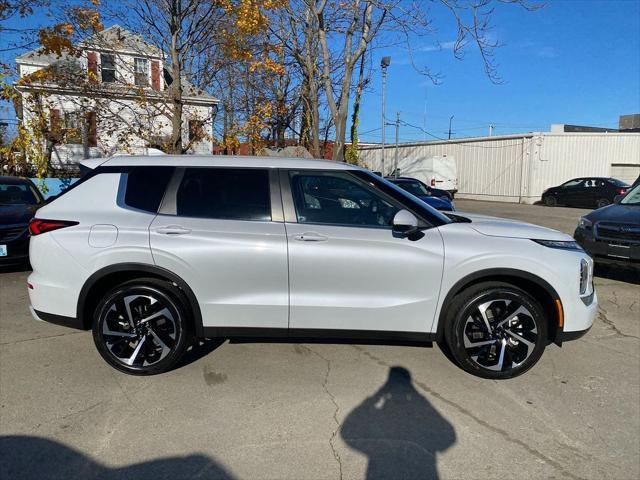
x: 398, y: 430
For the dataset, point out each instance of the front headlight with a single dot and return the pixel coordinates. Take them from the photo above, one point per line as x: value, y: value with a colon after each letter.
x: 586, y: 278
x: 561, y: 244
x: 584, y: 222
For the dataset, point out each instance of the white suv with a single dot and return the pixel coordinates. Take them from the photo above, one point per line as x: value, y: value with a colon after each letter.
x: 153, y: 252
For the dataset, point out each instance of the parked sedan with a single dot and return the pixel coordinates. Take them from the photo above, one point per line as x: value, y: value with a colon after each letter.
x: 586, y: 192
x: 436, y: 192
x: 612, y: 233
x: 427, y: 195
x: 19, y: 200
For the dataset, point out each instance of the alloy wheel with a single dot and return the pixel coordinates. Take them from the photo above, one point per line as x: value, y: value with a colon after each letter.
x: 139, y: 330
x: 500, y: 334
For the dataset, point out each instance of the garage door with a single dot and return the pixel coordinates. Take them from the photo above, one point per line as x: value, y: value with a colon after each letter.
x: 627, y: 172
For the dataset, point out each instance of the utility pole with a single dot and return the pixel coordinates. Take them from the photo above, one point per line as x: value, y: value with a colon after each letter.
x: 396, y: 152
x: 450, y: 120
x: 384, y: 63
x: 491, y: 126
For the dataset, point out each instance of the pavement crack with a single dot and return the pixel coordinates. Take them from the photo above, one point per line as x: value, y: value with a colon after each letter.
x: 40, y: 338
x: 336, y: 455
x: 499, y: 431
x: 602, y: 316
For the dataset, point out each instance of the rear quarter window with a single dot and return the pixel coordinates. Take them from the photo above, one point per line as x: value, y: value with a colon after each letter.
x: 146, y: 187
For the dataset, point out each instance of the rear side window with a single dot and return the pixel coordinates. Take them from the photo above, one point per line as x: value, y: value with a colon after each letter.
x: 224, y: 193
x: 146, y: 186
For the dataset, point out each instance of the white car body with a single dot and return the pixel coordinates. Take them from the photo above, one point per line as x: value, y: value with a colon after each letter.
x: 282, y: 276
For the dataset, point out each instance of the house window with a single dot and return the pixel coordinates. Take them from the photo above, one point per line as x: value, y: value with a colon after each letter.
x: 72, y: 125
x: 141, y: 72
x: 107, y: 68
x: 196, y: 130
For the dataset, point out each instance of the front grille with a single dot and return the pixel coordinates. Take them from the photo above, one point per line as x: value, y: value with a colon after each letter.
x: 624, y: 233
x: 11, y: 232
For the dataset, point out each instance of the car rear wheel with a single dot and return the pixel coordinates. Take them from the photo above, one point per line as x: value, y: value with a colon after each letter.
x: 140, y: 327
x: 496, y: 330
x: 602, y: 202
x: 550, y: 201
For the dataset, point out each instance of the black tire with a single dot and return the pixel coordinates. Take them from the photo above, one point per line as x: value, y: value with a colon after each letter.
x: 550, y: 201
x: 149, y: 347
x: 602, y: 202
x: 506, y: 350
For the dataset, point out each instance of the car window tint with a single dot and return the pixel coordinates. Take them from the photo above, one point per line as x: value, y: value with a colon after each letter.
x: 18, y: 194
x: 146, y: 186
x: 225, y: 193
x: 339, y: 199
x: 573, y: 183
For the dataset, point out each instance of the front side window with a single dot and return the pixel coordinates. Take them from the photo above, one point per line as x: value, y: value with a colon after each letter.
x: 141, y: 72
x: 225, y: 193
x: 107, y: 68
x: 337, y: 198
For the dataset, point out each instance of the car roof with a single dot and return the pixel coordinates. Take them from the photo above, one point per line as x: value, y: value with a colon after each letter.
x: 226, y: 161
x: 15, y: 180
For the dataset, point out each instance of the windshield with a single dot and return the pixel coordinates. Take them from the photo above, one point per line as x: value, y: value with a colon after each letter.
x: 18, y: 194
x: 632, y: 198
x: 414, y: 188
x: 414, y: 204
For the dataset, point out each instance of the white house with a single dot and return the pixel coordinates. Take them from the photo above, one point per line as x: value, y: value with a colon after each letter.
x: 110, y: 97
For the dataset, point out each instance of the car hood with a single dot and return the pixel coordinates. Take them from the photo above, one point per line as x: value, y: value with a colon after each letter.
x: 435, y: 202
x: 616, y: 213
x: 15, y: 214
x: 506, y: 227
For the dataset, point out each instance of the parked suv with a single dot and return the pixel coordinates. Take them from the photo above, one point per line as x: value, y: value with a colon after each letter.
x: 152, y: 252
x: 612, y: 234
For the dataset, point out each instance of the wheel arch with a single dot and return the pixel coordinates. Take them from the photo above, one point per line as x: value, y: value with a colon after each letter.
x: 539, y: 288
x: 112, y: 275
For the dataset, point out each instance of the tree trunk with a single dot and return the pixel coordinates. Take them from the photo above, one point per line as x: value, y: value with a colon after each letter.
x: 175, y: 146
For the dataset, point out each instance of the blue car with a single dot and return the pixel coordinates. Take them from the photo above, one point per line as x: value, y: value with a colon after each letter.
x: 415, y: 187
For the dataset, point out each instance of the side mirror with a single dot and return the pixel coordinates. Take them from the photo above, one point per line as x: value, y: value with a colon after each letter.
x: 617, y: 198
x: 405, y: 223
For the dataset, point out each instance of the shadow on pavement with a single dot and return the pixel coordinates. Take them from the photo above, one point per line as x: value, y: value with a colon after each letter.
x: 27, y: 458
x: 201, y: 348
x: 398, y: 430
x: 621, y: 273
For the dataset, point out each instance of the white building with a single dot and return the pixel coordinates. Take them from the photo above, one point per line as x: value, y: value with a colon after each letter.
x: 518, y: 168
x: 110, y: 97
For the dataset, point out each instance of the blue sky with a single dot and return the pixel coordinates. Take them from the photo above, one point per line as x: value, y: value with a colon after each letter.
x: 572, y: 62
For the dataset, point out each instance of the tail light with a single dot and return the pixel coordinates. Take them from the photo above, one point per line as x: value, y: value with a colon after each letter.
x: 433, y: 181
x: 39, y: 225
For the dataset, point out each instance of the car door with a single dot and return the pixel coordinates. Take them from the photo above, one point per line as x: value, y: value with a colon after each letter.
x: 347, y: 269
x: 221, y: 231
x: 571, y: 192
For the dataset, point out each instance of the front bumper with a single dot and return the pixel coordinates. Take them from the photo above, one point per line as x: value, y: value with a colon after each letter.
x: 607, y: 250
x: 17, y: 250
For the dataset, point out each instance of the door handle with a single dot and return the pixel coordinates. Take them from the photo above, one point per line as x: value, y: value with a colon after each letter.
x: 173, y: 230
x: 311, y: 237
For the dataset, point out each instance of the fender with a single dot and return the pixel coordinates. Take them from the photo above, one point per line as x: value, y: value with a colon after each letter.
x: 493, y: 273
x: 142, y: 268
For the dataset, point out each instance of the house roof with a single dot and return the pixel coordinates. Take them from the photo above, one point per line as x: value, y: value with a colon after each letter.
x: 117, y: 38
x: 113, y: 38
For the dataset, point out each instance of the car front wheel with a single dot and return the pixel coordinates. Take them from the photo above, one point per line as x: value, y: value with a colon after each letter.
x: 140, y: 327
x: 550, y: 201
x: 496, y: 330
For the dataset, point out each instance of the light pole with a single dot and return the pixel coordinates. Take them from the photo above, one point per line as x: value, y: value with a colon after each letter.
x: 384, y: 63
x: 450, y: 120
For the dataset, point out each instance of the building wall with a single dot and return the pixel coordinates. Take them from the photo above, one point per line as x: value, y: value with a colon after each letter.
x: 517, y: 168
